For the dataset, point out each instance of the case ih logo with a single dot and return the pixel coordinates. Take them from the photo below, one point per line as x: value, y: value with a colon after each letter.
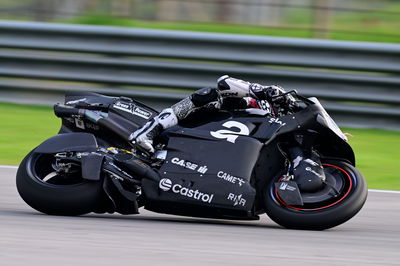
x: 189, y: 165
x: 166, y: 185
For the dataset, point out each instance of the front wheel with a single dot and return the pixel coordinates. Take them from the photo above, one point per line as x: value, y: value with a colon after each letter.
x: 329, y: 207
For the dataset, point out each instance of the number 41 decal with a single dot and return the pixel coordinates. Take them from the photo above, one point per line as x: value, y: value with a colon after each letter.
x: 231, y: 135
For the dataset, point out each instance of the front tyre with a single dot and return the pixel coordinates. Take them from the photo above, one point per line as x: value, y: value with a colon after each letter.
x: 324, y: 209
x: 47, y: 191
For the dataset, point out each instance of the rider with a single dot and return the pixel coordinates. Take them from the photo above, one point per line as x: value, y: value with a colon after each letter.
x: 230, y: 93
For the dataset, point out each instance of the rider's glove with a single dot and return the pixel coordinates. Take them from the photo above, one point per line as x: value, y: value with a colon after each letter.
x: 271, y: 93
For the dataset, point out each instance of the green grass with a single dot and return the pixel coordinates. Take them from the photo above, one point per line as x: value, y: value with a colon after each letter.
x: 24, y: 127
x: 377, y: 155
x: 189, y: 26
x: 380, y: 24
x: 373, y: 27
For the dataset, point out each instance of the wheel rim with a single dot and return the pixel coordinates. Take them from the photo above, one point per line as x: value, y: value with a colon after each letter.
x: 348, y: 184
x: 40, y: 167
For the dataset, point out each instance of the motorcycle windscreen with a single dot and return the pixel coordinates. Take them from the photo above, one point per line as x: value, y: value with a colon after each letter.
x: 209, y: 171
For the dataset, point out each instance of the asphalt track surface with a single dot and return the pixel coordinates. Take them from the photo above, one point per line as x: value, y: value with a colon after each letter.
x: 29, y: 238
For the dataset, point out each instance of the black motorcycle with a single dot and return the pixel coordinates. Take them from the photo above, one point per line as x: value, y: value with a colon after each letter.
x: 237, y: 164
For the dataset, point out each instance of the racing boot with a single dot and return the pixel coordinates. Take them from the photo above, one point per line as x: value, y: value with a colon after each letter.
x: 143, y: 137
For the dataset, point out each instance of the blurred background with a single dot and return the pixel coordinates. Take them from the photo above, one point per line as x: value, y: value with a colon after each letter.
x: 366, y: 20
x: 345, y: 52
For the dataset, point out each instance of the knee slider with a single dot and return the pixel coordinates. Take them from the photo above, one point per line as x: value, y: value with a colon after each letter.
x: 205, y: 96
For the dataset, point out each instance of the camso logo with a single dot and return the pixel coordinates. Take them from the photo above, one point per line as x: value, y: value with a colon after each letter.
x: 166, y: 185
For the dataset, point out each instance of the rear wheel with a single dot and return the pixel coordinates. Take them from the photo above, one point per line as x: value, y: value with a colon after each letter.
x: 334, y: 204
x: 51, y: 192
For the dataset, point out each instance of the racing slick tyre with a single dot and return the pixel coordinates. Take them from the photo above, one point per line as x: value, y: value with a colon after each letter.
x: 47, y: 191
x: 334, y: 204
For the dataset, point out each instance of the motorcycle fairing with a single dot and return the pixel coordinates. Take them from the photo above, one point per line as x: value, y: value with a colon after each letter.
x: 68, y: 142
x: 133, y: 111
x: 328, y: 143
x: 217, y: 169
x: 128, y: 113
x: 88, y: 99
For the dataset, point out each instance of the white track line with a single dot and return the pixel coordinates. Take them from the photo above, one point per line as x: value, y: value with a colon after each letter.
x: 384, y: 191
x: 370, y: 190
x: 9, y: 166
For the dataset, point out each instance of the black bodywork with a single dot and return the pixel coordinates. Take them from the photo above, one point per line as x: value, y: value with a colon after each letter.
x: 214, y: 167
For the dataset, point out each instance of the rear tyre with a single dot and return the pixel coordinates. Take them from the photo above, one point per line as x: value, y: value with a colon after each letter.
x: 332, y: 207
x: 46, y: 191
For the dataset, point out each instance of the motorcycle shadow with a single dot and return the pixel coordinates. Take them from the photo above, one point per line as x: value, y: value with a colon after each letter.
x: 151, y: 217
x: 154, y: 218
x: 147, y: 216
